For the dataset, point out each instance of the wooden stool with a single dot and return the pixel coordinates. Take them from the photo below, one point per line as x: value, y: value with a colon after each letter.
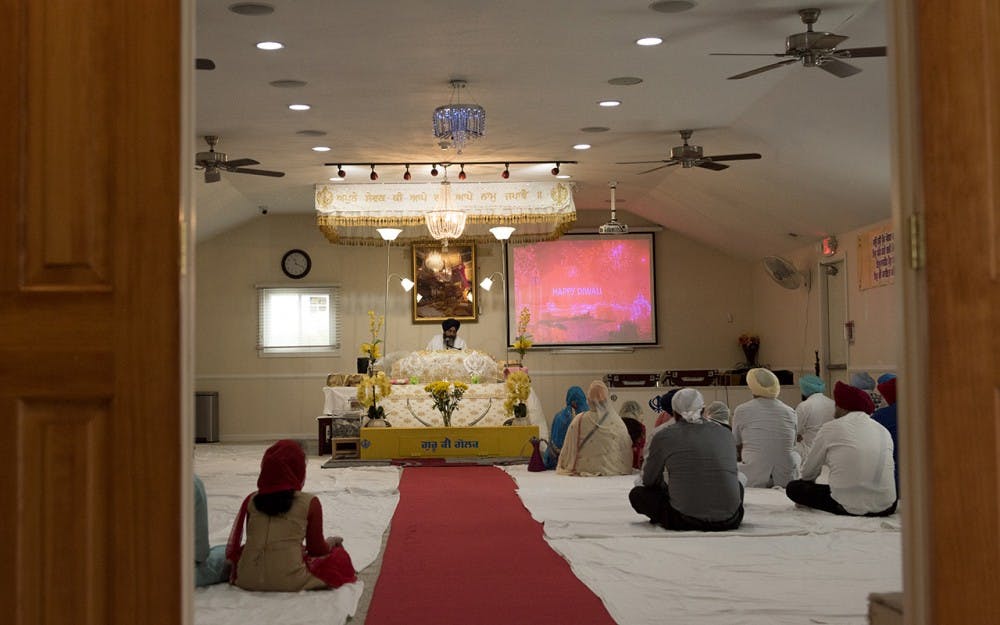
x: 346, y: 448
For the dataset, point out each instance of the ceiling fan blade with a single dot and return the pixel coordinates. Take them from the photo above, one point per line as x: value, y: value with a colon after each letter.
x: 259, y: 172
x: 763, y: 69
x: 240, y: 162
x: 857, y: 53
x: 212, y: 174
x: 744, y: 54
x: 733, y: 157
x: 827, y: 42
x: 711, y: 165
x: 204, y: 64
x: 656, y: 168
x: 641, y: 162
x: 839, y: 68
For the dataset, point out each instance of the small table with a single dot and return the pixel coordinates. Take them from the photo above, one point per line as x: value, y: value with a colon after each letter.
x: 324, y: 424
x: 328, y: 433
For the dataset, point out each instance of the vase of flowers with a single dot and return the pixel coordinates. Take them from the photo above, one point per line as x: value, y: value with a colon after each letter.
x: 372, y: 389
x: 518, y: 387
x: 750, y: 344
x: 522, y: 342
x: 446, y: 396
x: 371, y: 350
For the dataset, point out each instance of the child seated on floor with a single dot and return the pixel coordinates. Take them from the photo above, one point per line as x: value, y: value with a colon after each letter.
x: 279, y: 518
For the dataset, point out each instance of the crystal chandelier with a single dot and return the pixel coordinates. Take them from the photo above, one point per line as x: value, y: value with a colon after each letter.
x: 459, y: 123
x: 445, y: 223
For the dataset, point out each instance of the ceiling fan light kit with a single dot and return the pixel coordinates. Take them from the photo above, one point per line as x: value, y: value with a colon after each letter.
x: 688, y: 156
x: 213, y: 162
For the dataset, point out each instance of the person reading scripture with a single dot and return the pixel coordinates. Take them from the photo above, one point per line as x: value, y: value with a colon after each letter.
x: 448, y: 339
x: 690, y: 479
x: 576, y: 402
x: 858, y: 452
x: 597, y: 441
x: 210, y: 566
x: 765, y: 433
x: 285, y: 549
x: 813, y: 411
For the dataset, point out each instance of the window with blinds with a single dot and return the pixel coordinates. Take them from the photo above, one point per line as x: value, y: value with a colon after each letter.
x: 298, y: 320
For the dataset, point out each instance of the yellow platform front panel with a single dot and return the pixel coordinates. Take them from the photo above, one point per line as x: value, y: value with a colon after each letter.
x: 453, y: 442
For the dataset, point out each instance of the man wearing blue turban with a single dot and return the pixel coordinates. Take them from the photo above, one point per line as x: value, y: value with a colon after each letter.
x: 813, y: 411
x: 864, y: 381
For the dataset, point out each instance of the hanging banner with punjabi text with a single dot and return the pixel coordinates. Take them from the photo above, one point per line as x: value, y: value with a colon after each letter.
x: 876, y: 256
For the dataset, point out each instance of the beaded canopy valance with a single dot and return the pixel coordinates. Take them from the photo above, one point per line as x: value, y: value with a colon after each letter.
x: 349, y: 214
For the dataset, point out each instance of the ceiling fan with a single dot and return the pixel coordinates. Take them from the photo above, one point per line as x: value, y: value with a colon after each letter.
x: 213, y: 162
x: 814, y: 49
x: 692, y: 156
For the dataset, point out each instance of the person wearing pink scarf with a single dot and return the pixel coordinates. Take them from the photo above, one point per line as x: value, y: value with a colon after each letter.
x: 285, y: 549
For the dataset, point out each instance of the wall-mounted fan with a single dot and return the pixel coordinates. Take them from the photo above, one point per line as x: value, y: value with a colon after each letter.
x: 613, y: 226
x: 814, y: 49
x: 785, y: 273
x: 213, y: 162
x: 693, y: 156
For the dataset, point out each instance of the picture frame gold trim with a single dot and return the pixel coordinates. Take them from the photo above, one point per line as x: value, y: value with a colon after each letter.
x: 445, y: 278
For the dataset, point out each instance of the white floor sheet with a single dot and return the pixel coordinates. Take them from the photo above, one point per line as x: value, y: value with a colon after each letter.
x: 358, y: 504
x: 784, y: 564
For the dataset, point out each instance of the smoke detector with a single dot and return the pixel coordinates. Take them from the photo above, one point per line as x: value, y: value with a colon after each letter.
x: 613, y: 226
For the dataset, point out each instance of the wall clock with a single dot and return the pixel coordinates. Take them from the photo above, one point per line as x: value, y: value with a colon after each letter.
x: 296, y: 264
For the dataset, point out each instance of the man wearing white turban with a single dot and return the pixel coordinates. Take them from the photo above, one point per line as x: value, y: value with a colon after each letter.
x: 690, y: 480
x: 765, y: 433
x: 813, y: 411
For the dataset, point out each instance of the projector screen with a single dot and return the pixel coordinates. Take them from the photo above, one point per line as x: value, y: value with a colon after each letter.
x: 585, y: 290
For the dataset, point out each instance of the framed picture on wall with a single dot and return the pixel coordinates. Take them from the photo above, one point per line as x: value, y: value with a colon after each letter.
x: 445, y: 282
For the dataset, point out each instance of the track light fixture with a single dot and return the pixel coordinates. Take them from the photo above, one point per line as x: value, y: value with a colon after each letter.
x: 462, y: 175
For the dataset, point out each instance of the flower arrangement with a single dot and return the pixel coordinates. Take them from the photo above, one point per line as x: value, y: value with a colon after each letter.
x: 518, y: 388
x: 522, y: 342
x: 750, y: 344
x: 371, y: 389
x: 446, y: 396
x: 375, y: 323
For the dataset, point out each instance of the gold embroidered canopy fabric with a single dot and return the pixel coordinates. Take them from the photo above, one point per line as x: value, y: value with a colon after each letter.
x: 350, y: 214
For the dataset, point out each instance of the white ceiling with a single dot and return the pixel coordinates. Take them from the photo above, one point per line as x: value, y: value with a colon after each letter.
x: 376, y: 70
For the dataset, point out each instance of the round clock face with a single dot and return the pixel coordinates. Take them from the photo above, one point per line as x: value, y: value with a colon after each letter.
x: 296, y: 264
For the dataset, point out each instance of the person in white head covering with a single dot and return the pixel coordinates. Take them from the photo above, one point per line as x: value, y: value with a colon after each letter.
x: 813, y: 411
x: 690, y: 479
x: 597, y: 441
x: 718, y: 411
x: 765, y: 433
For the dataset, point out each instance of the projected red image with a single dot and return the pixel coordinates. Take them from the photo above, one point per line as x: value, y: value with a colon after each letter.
x: 586, y: 291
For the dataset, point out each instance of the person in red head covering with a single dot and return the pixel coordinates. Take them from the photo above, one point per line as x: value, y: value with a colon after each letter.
x: 285, y: 549
x: 887, y: 416
x: 858, y: 452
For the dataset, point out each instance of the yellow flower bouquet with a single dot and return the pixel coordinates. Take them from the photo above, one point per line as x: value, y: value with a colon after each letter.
x: 446, y: 396
x: 371, y: 389
x: 375, y: 323
x: 518, y: 388
x: 522, y: 342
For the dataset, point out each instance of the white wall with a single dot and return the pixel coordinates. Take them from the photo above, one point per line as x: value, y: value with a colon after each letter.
x: 705, y: 300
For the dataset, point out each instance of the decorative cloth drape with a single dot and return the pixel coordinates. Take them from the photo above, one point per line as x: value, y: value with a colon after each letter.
x: 349, y: 214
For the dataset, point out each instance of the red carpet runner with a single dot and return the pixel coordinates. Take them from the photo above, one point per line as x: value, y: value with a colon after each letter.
x: 464, y: 551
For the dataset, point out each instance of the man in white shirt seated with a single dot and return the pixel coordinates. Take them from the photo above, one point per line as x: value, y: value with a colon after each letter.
x: 764, y: 428
x: 858, y: 451
x: 448, y: 339
x: 813, y: 411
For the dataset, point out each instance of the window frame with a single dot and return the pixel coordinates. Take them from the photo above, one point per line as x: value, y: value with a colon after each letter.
x: 335, y: 315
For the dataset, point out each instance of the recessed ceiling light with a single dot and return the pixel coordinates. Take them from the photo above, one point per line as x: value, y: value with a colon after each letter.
x: 625, y: 81
x: 288, y: 84
x: 299, y: 107
x: 671, y: 6
x: 251, y: 8
x: 311, y: 133
x: 563, y: 176
x: 270, y: 45
x: 581, y: 146
x: 609, y: 103
x: 594, y: 129
x: 321, y: 148
x: 648, y: 41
